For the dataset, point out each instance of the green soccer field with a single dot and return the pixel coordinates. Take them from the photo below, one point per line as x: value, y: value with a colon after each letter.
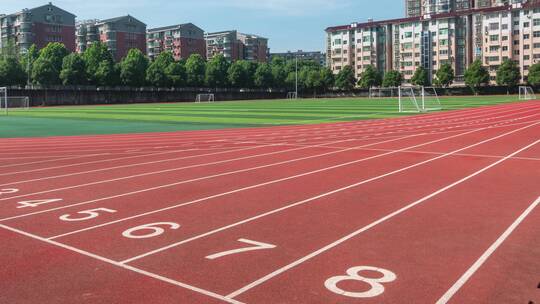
x: 138, y: 118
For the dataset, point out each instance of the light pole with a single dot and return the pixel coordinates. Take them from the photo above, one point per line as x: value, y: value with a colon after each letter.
x: 296, y: 90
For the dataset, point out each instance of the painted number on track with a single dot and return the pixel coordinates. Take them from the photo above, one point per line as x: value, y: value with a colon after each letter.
x: 353, y: 274
x: 8, y: 191
x: 153, y: 230
x: 37, y: 203
x: 89, y: 214
x: 256, y: 246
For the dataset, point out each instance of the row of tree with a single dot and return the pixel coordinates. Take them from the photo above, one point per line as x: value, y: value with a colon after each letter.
x: 476, y: 75
x: 55, y: 65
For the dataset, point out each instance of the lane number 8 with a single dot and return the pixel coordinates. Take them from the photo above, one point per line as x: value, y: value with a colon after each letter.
x: 353, y: 274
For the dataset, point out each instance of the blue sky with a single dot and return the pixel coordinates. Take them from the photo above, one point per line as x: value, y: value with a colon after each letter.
x: 289, y: 24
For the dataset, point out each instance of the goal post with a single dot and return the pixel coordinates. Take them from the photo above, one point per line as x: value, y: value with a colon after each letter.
x: 407, y: 100
x: 205, y: 98
x: 418, y: 99
x: 292, y: 95
x: 430, y: 99
x: 383, y: 92
x: 3, y: 100
x: 526, y: 93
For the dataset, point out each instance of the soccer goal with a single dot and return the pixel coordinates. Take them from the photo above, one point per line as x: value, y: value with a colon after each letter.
x: 3, y: 100
x: 292, y: 95
x: 386, y: 92
x: 418, y: 99
x: 526, y: 93
x: 430, y: 99
x: 407, y: 100
x: 205, y: 98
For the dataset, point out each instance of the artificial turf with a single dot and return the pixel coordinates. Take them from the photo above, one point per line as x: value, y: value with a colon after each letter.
x: 140, y: 118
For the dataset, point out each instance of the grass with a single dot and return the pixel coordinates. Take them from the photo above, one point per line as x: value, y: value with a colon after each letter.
x: 139, y: 118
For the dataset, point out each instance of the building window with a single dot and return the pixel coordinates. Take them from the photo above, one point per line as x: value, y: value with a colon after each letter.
x: 493, y: 38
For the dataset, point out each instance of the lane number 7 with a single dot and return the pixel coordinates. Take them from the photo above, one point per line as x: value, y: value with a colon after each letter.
x: 256, y: 246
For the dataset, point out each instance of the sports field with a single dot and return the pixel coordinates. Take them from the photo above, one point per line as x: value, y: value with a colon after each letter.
x: 429, y: 208
x: 136, y: 118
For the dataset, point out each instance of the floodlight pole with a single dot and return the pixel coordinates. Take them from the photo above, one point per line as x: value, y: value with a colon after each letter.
x: 296, y: 91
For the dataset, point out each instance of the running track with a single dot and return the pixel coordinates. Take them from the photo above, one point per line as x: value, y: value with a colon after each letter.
x: 437, y: 208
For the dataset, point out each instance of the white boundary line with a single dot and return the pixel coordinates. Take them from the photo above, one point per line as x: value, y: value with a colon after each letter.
x: 326, y: 194
x: 373, y: 224
x: 127, y: 267
x: 485, y: 256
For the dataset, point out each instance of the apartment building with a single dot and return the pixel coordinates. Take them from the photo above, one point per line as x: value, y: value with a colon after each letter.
x: 316, y: 56
x: 39, y: 26
x: 492, y: 33
x: 181, y: 40
x: 120, y: 34
x: 237, y: 46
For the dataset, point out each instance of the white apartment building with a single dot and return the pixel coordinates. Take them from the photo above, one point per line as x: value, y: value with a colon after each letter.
x: 499, y: 31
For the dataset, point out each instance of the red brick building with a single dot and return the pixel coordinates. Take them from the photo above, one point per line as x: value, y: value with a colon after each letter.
x: 39, y: 26
x: 181, y: 40
x: 120, y: 34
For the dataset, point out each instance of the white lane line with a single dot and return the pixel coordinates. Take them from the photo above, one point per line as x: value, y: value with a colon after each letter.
x: 157, y: 172
x: 52, y: 160
x: 127, y: 267
x: 373, y: 224
x: 485, y: 256
x: 331, y: 192
x: 188, y: 181
x: 135, y: 164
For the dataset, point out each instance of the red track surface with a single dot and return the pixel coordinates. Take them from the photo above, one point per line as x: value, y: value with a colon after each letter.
x: 439, y: 208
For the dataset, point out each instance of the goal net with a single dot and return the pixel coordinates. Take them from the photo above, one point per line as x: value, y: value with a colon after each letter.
x: 3, y: 100
x: 388, y: 92
x: 430, y: 99
x: 292, y: 95
x: 407, y: 100
x: 418, y: 99
x: 205, y: 98
x: 526, y: 93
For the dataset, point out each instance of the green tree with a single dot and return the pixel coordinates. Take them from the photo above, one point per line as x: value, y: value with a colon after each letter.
x: 314, y: 81
x: 508, y: 75
x: 444, y: 76
x: 55, y: 53
x: 176, y: 72
x: 28, y: 59
x: 44, y: 72
x: 133, y: 68
x: 93, y: 57
x: 195, y: 70
x: 157, y: 75
x: 11, y: 72
x: 279, y: 73
x: 73, y: 70
x: 392, y: 79
x: 240, y: 74
x: 216, y: 71
x: 476, y: 75
x: 345, y: 79
x: 420, y: 77
x: 534, y: 74
x: 9, y: 49
x: 263, y: 77
x: 107, y: 73
x: 370, y: 77
x: 327, y: 78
